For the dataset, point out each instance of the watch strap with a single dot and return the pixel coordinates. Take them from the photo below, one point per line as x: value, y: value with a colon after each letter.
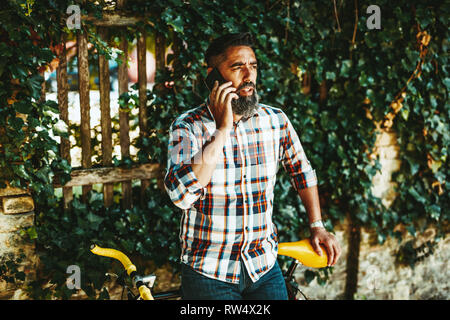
x: 317, y: 224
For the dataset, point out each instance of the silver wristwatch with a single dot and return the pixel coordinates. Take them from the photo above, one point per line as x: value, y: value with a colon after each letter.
x: 317, y: 224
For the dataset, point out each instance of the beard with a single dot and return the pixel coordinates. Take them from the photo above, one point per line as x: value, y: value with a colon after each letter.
x: 245, y: 105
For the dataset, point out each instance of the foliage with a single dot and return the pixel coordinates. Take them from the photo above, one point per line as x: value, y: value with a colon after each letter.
x: 9, y: 269
x: 335, y: 79
x: 322, y: 275
x: 407, y: 255
x: 68, y: 234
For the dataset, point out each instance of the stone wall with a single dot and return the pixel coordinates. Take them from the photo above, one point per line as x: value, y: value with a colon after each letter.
x: 387, y: 148
x: 379, y: 277
x: 16, y: 215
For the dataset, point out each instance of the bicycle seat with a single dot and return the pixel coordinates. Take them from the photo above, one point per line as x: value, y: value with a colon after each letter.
x: 303, y: 252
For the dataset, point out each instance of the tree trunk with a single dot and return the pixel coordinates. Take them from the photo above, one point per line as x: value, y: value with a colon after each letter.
x: 354, y: 240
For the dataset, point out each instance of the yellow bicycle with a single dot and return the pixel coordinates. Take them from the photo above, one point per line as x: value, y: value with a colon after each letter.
x: 301, y: 251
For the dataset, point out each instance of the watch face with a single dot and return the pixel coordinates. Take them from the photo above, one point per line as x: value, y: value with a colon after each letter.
x: 316, y: 224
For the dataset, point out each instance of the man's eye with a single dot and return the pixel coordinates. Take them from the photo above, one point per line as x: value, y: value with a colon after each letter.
x: 242, y: 67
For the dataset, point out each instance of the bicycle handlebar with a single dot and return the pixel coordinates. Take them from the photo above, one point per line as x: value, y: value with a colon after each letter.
x: 145, y: 293
x: 130, y: 268
x: 115, y: 254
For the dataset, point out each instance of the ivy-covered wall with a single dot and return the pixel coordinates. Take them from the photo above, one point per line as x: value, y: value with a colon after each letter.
x: 337, y: 80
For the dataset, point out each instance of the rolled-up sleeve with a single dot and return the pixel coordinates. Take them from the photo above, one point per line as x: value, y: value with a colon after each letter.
x: 180, y: 182
x: 294, y: 159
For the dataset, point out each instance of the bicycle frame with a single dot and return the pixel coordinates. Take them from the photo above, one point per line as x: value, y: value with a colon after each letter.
x: 301, y: 251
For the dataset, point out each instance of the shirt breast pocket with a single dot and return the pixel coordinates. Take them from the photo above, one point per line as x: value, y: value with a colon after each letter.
x: 264, y: 164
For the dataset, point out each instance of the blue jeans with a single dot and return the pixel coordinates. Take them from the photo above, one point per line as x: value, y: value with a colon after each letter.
x: 196, y: 286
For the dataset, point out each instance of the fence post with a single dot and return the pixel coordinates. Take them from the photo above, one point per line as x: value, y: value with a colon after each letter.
x: 160, y: 64
x: 83, y: 88
x: 142, y: 81
x: 63, y: 103
x: 124, y: 122
x: 105, y: 120
x: 127, y: 200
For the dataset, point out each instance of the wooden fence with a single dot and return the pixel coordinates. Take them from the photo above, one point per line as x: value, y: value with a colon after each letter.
x: 107, y: 175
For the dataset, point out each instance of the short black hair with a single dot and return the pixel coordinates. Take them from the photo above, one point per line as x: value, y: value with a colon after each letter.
x: 220, y: 45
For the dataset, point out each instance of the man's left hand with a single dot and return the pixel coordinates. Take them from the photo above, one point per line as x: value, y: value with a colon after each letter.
x: 320, y: 236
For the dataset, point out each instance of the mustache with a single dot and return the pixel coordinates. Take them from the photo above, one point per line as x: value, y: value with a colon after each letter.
x: 245, y: 85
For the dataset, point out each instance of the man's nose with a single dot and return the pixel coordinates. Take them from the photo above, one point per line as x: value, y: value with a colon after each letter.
x: 247, y: 75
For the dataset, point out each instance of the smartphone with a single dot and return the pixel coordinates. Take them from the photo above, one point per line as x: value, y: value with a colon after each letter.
x: 213, y: 76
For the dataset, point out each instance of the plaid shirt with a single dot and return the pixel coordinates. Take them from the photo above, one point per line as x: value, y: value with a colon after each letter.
x: 231, y: 218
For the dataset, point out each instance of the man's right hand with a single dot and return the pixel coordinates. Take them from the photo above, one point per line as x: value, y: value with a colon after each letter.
x: 220, y: 106
x: 220, y: 100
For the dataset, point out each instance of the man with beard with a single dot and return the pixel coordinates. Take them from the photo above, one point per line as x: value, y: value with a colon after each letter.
x: 223, y: 160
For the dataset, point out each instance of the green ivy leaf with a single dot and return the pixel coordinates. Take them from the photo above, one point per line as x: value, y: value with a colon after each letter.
x: 309, y: 276
x: 177, y: 24
x: 32, y: 234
